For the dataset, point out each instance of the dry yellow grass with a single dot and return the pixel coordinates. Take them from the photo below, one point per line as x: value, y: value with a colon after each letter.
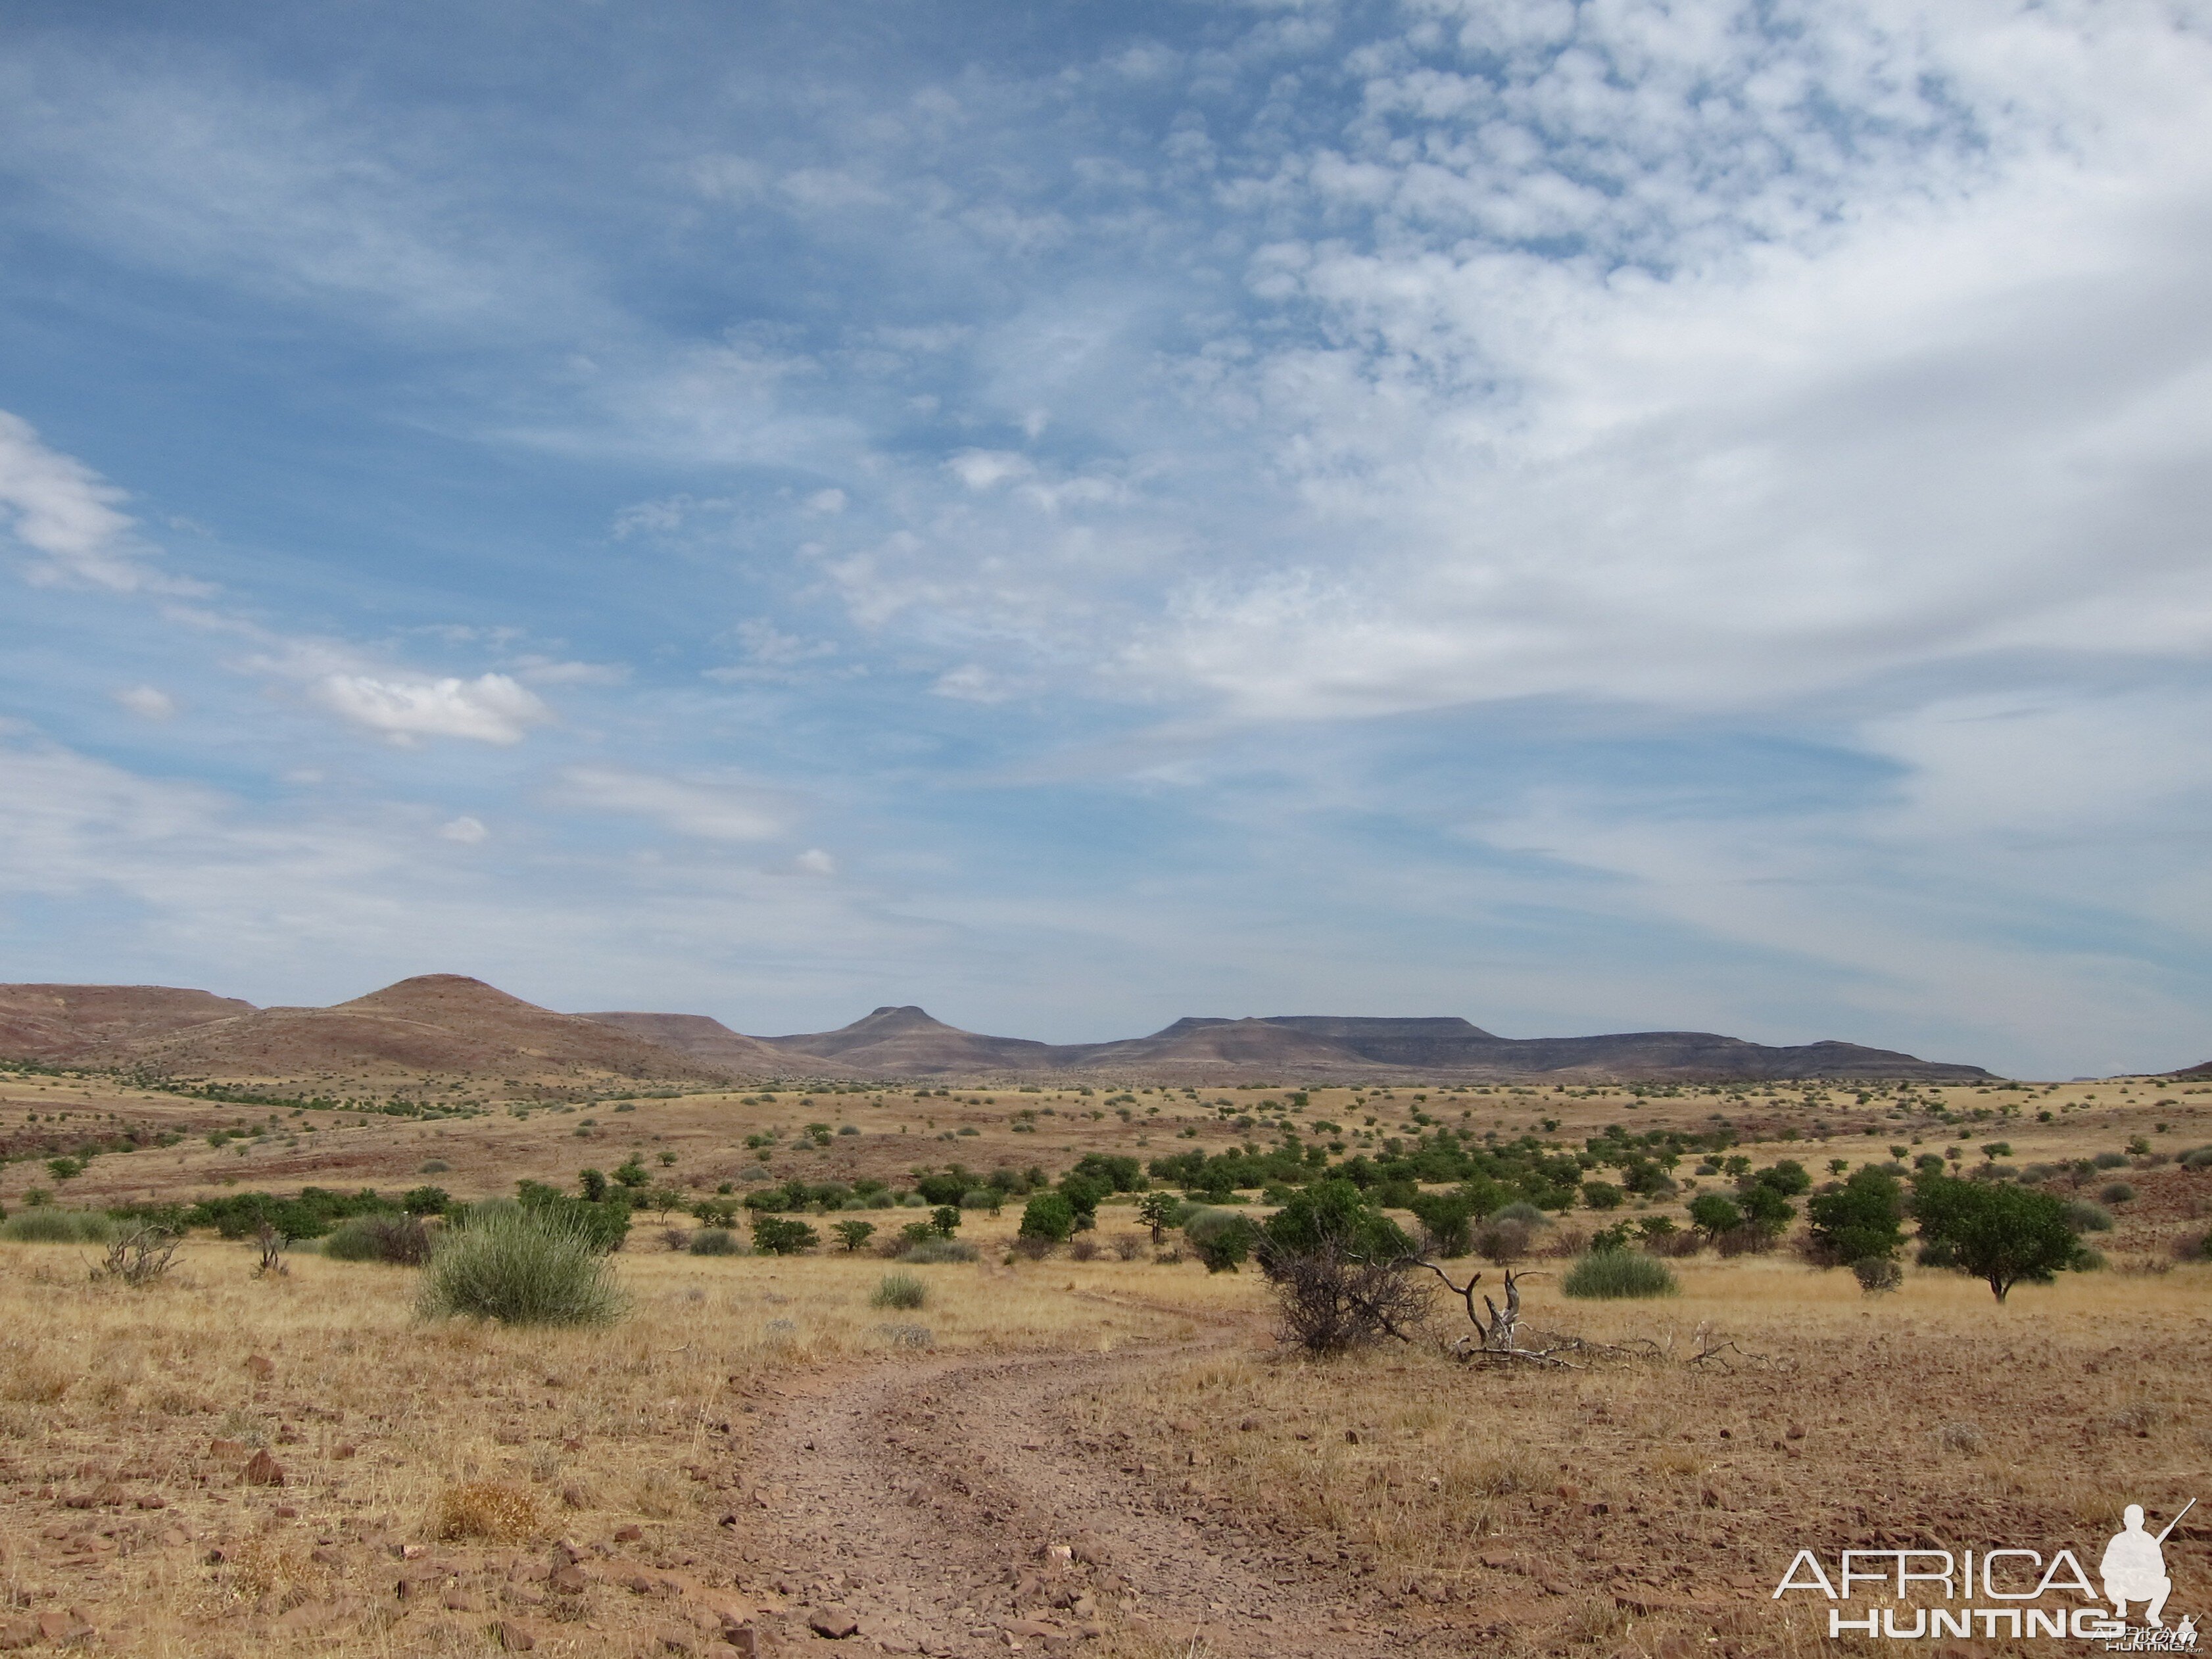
x: 1522, y: 1498
x: 391, y: 1431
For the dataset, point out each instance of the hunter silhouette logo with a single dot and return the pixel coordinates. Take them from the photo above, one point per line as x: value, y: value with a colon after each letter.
x: 2018, y: 1582
x: 2134, y: 1566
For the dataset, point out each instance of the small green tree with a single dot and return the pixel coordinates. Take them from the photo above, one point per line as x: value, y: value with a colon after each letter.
x: 1049, y: 1217
x: 1997, y: 1233
x: 945, y: 1219
x: 1857, y: 1220
x: 1157, y: 1212
x: 853, y: 1234
x: 1601, y: 1196
x: 1445, y: 1217
x: 632, y: 1172
x: 1222, y: 1239
x: 1713, y: 1214
x: 1764, y: 1208
x: 593, y: 1183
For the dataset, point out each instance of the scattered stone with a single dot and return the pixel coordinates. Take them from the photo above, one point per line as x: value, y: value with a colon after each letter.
x: 461, y: 1600
x: 515, y: 1638
x: 744, y: 1640
x: 263, y: 1470
x: 152, y: 1500
x: 342, y: 1453
x: 572, y: 1497
x: 64, y: 1625
x: 833, y: 1622
x: 568, y: 1579
x: 630, y: 1534
x: 261, y: 1366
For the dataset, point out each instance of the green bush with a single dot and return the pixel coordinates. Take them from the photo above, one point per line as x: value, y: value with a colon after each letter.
x: 2116, y: 1192
x: 1610, y: 1273
x: 899, y: 1290
x: 1527, y: 1214
x: 53, y: 1226
x: 775, y: 1234
x: 400, y: 1240
x: 1602, y: 1195
x: 520, y: 1266
x: 714, y: 1241
x: 2083, y: 1217
x: 2110, y: 1160
x: 1048, y: 1216
x: 1221, y: 1238
x: 606, y: 1224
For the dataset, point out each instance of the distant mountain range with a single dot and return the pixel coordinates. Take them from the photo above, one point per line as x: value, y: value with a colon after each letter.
x: 449, y: 1026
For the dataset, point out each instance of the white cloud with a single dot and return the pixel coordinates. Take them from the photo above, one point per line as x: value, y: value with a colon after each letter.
x: 67, y: 514
x: 468, y: 832
x: 986, y: 469
x: 826, y: 501
x: 971, y: 683
x: 815, y: 862
x: 490, y: 709
x: 712, y: 808
x: 146, y: 702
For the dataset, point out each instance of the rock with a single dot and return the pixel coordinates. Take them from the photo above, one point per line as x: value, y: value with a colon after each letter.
x: 515, y: 1638
x: 261, y: 1366
x: 413, y: 1551
x: 833, y: 1622
x: 572, y: 1497
x: 345, y: 1451
x: 1029, y: 1629
x: 1092, y: 1552
x: 461, y: 1600
x: 18, y: 1633
x: 744, y: 1640
x: 64, y: 1625
x: 263, y: 1470
x: 630, y: 1534
x: 568, y: 1579
x: 152, y: 1500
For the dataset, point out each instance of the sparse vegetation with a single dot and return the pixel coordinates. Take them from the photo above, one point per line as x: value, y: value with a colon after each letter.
x: 901, y: 1290
x: 1609, y: 1274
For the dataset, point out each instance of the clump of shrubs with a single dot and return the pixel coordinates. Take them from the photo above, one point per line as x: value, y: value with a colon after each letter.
x: 714, y: 1241
x: 2116, y: 1192
x: 519, y: 1266
x: 400, y: 1240
x: 936, y: 1250
x: 2086, y: 1217
x: 49, y: 1226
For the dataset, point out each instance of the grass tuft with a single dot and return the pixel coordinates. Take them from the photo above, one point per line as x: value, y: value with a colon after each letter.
x: 1611, y: 1274
x: 520, y: 1269
x: 899, y: 1290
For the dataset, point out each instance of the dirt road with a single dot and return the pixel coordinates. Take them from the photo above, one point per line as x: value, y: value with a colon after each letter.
x: 954, y: 1508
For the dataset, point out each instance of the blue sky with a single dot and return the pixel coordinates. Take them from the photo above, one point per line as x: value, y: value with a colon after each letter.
x: 1586, y: 516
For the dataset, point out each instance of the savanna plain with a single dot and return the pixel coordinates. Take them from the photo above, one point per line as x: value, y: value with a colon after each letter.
x: 1091, y: 1445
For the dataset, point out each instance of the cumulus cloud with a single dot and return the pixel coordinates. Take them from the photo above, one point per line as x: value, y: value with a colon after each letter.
x: 815, y: 862
x: 490, y: 709
x: 709, y: 808
x: 468, y: 832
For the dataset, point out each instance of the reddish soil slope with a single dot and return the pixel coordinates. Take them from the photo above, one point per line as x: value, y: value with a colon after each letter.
x: 57, y: 1022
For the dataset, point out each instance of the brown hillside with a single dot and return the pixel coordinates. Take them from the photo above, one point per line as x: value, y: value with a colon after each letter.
x: 712, y: 1043
x: 445, y: 1023
x: 56, y: 1022
x: 907, y: 1043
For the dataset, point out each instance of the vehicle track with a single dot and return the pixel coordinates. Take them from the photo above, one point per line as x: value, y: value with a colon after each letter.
x: 954, y: 1508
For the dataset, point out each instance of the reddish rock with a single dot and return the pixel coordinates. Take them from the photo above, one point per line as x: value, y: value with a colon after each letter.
x: 628, y: 1534
x: 19, y: 1633
x: 513, y: 1636
x: 263, y: 1470
x: 568, y: 1579
x: 833, y: 1622
x: 261, y: 1366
